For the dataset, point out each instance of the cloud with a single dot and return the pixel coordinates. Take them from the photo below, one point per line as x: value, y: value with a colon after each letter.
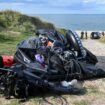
x: 98, y: 2
x: 54, y: 6
x: 13, y: 3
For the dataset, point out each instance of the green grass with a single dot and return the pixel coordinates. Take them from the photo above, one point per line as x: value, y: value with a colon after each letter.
x: 82, y: 102
x: 13, y: 102
x: 92, y: 90
x: 102, y: 39
x: 16, y: 21
x: 9, y: 40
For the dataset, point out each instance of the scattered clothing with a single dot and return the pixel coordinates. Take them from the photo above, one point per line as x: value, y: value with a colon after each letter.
x: 6, y: 61
x: 39, y: 58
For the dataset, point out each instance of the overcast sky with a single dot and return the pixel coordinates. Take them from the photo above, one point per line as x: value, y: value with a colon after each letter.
x: 55, y: 6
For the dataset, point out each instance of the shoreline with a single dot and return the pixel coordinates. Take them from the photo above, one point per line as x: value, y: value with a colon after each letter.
x: 88, y: 32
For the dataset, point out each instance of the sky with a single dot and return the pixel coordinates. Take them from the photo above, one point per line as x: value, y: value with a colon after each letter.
x: 55, y: 6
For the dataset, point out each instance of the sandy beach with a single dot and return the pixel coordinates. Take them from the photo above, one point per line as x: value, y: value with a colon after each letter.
x: 95, y: 47
x: 88, y: 32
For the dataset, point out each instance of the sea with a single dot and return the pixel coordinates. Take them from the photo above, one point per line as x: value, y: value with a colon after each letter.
x: 76, y: 21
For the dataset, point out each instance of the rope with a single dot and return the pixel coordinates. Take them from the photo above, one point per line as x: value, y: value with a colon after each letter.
x: 61, y: 98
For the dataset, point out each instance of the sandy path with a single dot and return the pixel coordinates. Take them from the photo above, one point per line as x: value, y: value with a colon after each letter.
x: 98, y: 49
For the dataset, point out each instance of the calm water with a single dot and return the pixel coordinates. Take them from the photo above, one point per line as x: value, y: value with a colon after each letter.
x: 76, y: 21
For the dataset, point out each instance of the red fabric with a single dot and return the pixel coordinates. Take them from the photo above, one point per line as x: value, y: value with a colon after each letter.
x: 8, y: 61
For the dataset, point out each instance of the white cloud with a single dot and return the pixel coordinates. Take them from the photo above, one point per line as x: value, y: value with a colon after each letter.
x: 94, y: 1
x: 54, y: 6
x: 13, y: 3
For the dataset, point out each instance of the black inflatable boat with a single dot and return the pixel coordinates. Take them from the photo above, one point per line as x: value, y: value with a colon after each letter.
x: 73, y: 62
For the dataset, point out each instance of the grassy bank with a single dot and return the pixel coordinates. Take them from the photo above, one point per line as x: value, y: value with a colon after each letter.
x: 9, y: 40
x: 15, y: 26
x: 16, y: 21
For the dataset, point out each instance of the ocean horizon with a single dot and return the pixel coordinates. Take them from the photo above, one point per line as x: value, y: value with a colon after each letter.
x: 75, y: 21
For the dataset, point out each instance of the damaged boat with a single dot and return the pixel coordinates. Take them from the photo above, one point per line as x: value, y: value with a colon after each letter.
x: 54, y: 66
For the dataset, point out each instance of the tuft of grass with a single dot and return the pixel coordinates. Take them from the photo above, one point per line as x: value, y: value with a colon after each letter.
x: 4, y: 38
x: 81, y: 102
x: 14, y: 102
x: 92, y: 89
x: 102, y: 39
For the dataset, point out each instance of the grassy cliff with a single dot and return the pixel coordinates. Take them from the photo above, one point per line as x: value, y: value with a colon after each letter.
x: 15, y: 21
x: 15, y: 27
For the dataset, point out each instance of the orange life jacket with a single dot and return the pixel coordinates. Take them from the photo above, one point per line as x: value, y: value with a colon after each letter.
x: 49, y: 44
